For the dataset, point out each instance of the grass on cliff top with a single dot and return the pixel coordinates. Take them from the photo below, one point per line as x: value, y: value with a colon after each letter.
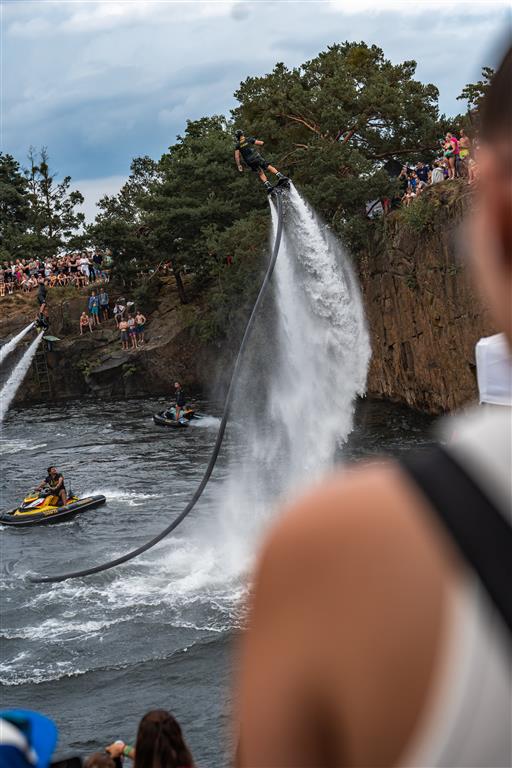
x: 448, y: 200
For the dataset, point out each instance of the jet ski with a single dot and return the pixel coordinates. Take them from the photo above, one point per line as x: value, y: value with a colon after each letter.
x: 168, y: 418
x: 42, y: 506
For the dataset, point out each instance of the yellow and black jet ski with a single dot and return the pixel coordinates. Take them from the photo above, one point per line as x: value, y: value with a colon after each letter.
x: 42, y: 506
x: 168, y: 418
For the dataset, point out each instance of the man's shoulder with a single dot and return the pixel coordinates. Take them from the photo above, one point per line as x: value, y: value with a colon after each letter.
x: 335, y: 525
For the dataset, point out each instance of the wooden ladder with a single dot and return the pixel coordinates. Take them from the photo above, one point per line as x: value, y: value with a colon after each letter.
x: 43, y: 377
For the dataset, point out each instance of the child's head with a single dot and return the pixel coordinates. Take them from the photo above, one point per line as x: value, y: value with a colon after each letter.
x: 99, y: 760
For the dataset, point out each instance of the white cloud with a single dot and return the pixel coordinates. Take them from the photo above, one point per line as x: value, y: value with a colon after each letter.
x: 94, y: 189
x: 418, y: 6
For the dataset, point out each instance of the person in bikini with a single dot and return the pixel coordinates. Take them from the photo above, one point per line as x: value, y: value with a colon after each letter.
x: 451, y: 153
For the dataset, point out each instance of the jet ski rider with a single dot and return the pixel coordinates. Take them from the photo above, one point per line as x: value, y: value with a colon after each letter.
x: 56, y: 482
x: 245, y: 149
x: 180, y: 399
x: 175, y: 411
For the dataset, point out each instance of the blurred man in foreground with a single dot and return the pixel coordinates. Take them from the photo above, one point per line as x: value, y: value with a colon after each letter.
x: 380, y: 624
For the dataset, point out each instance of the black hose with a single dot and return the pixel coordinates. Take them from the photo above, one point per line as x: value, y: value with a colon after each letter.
x: 218, y: 441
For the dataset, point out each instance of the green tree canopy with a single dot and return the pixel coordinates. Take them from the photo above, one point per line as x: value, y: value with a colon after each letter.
x: 53, y: 218
x: 333, y: 121
x: 37, y: 213
x: 120, y: 223
x: 474, y: 93
x: 14, y: 208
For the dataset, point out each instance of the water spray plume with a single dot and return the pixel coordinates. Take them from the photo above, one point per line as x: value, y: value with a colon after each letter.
x: 295, y: 400
x: 11, y: 345
x: 18, y: 374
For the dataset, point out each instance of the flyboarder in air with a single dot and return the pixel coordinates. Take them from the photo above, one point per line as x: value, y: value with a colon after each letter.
x: 245, y: 150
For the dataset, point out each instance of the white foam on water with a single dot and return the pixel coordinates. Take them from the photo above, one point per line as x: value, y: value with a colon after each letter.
x: 11, y: 345
x: 206, y: 422
x: 132, y: 498
x: 18, y: 446
x: 18, y: 374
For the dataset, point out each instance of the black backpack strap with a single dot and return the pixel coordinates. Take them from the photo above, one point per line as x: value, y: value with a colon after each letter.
x: 480, y: 531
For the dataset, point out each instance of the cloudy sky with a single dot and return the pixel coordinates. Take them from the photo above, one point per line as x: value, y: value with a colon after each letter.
x: 102, y: 81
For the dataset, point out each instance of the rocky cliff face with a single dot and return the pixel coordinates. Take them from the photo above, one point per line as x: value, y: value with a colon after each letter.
x: 93, y: 364
x: 423, y: 314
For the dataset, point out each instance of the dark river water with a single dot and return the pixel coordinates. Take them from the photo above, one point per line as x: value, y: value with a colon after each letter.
x: 95, y: 654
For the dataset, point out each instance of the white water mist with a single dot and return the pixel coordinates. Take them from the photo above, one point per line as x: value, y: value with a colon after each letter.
x: 18, y: 374
x: 297, y: 396
x: 11, y: 345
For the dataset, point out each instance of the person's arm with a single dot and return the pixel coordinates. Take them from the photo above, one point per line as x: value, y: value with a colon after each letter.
x: 120, y: 749
x: 238, y: 160
x: 259, y: 142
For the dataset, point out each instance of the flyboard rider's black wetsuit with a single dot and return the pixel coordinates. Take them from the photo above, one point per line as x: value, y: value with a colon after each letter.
x: 250, y: 154
x: 245, y: 149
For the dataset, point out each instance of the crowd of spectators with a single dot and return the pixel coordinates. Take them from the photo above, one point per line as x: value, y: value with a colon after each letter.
x: 457, y: 161
x: 78, y: 269
x: 130, y: 322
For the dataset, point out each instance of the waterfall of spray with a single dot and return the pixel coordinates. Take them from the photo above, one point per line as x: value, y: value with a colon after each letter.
x: 13, y: 343
x: 309, y: 362
x: 18, y: 374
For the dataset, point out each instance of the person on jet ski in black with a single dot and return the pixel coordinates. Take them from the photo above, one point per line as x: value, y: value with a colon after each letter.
x: 245, y: 149
x: 181, y: 400
x: 175, y: 410
x: 56, y: 482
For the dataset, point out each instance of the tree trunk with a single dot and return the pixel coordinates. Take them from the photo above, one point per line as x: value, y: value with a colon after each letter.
x: 179, y: 285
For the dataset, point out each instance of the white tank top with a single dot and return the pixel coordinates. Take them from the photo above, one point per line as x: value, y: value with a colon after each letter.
x: 467, y: 720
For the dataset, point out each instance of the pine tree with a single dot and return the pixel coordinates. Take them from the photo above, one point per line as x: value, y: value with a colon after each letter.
x: 53, y: 218
x: 14, y: 209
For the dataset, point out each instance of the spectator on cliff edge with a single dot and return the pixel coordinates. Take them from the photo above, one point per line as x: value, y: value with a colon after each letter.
x: 380, y: 622
x: 422, y: 172
x: 124, y: 334
x: 119, y: 310
x: 85, y: 322
x: 94, y: 308
x: 140, y: 319
x: 437, y: 174
x: 451, y: 153
x: 132, y: 331
x: 104, y: 303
